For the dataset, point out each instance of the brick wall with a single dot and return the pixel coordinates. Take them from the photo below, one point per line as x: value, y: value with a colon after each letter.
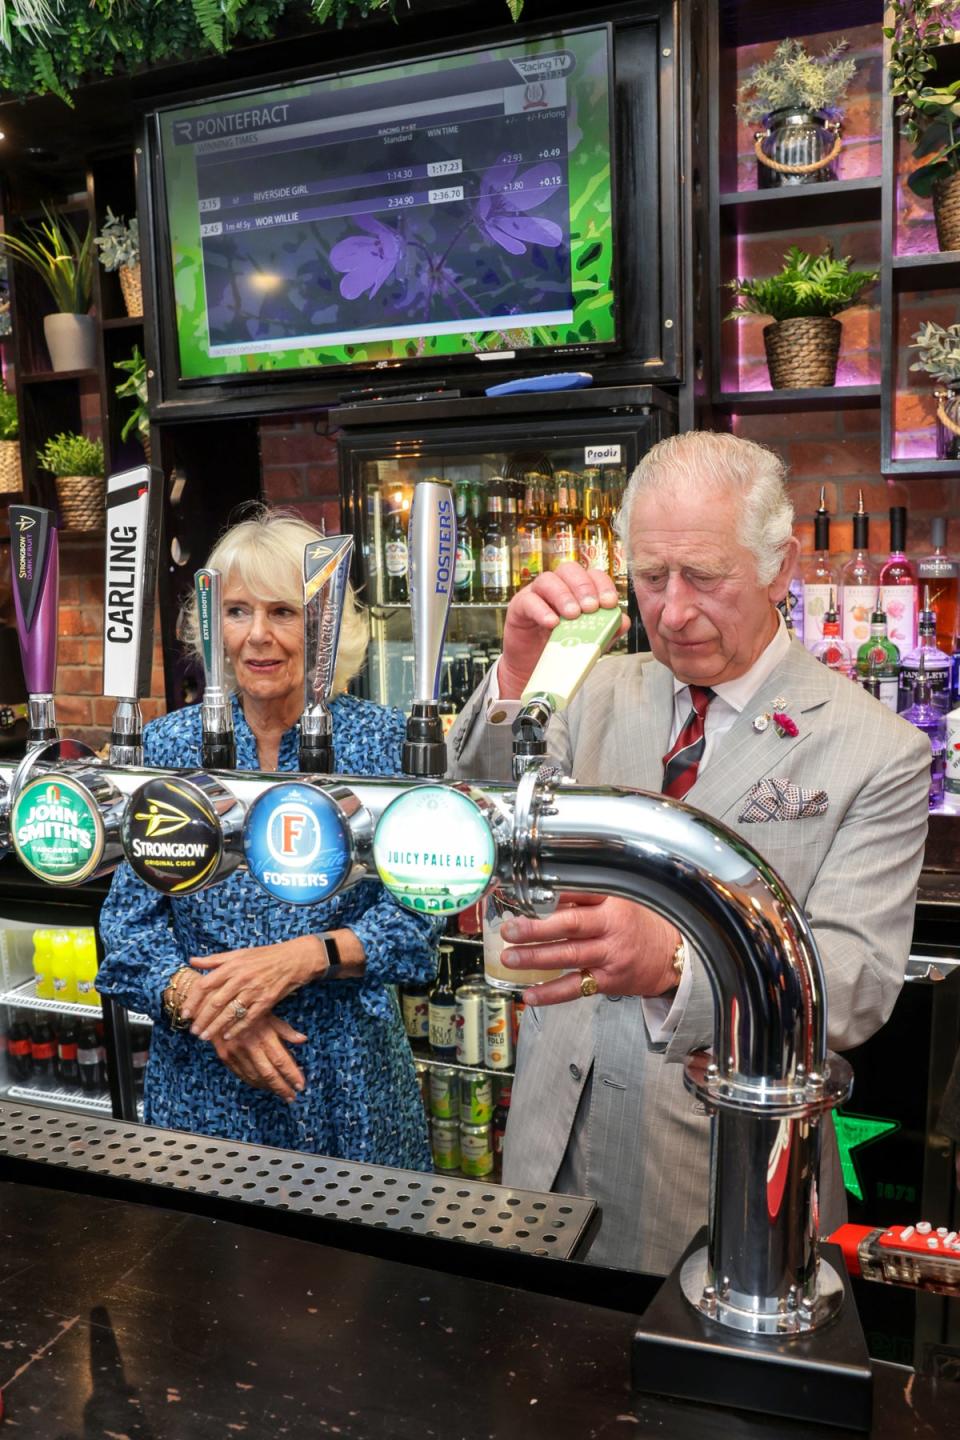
x: 298, y: 456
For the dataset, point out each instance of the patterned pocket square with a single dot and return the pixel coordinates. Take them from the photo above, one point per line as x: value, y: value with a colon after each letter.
x: 782, y: 800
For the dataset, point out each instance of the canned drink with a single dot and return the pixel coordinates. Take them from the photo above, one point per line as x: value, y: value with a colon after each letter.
x: 423, y: 1080
x: 444, y: 1092
x: 476, y: 1150
x: 476, y: 1099
x: 445, y: 1144
x: 469, y: 1021
x: 499, y: 1037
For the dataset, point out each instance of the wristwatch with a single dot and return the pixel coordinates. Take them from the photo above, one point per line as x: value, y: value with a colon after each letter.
x: 333, y: 950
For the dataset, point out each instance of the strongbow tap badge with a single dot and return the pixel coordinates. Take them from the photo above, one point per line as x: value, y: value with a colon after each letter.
x: 57, y: 830
x: 171, y: 836
x: 297, y: 844
x: 434, y: 850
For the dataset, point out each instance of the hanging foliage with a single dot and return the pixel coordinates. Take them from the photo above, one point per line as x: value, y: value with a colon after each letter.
x: 54, y: 46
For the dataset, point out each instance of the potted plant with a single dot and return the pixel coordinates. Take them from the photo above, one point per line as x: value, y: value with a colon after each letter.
x: 135, y: 388
x: 803, y: 342
x: 77, y: 464
x: 11, y: 479
x: 63, y: 260
x: 927, y: 113
x: 938, y: 355
x: 795, y: 96
x: 119, y: 247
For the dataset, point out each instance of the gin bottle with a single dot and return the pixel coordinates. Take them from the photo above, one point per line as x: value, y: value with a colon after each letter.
x: 879, y: 658
x: 819, y: 579
x: 936, y: 664
x: 925, y: 715
x: 858, y: 583
x: 898, y: 585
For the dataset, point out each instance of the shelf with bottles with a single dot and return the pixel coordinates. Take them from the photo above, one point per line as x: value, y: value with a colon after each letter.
x: 24, y: 997
x: 423, y: 1057
x: 64, y: 1099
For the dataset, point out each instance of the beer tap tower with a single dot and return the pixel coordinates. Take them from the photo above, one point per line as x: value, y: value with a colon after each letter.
x: 432, y: 550
x: 326, y: 570
x: 216, y: 718
x: 129, y: 581
x: 36, y: 596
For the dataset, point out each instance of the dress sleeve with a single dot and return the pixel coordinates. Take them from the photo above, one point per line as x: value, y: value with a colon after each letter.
x: 400, y: 947
x: 140, y: 950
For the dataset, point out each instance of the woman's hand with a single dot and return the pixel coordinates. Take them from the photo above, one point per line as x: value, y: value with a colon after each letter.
x: 243, y: 986
x: 260, y: 1057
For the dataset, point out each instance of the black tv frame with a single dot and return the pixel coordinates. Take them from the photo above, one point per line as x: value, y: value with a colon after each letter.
x: 646, y: 249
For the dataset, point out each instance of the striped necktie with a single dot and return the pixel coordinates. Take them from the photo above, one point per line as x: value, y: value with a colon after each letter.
x: 682, y: 760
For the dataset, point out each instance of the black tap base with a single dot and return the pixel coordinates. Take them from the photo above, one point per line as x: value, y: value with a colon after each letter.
x: 823, y: 1377
x: 424, y: 749
x: 219, y: 754
x: 316, y: 759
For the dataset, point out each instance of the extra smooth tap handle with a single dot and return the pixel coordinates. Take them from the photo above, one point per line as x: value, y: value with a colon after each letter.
x: 128, y: 600
x: 326, y: 571
x: 35, y: 565
x: 432, y: 547
x: 219, y: 749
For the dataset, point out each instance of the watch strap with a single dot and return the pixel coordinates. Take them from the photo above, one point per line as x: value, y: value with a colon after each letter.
x: 333, y: 951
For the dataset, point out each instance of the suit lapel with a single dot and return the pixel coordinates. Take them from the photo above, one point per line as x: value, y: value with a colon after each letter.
x: 744, y: 755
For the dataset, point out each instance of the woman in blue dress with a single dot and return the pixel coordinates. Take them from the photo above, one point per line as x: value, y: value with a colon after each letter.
x: 257, y: 1036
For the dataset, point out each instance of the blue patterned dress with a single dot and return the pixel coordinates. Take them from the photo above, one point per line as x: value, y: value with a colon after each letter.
x: 361, y: 1100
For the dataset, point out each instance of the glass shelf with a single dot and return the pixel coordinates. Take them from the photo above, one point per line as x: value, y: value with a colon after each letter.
x: 389, y: 606
x: 22, y: 997
x: 65, y: 1099
x: 436, y: 1064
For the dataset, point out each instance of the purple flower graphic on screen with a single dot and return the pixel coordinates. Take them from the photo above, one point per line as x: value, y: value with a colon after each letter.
x: 366, y: 261
x: 505, y: 198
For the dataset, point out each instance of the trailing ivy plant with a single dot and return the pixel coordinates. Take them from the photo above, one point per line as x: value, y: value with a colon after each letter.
x: 917, y: 31
x: 807, y: 285
x: 53, y: 46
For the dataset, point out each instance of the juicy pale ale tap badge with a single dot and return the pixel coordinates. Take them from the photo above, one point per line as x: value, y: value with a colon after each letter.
x: 297, y: 844
x: 57, y: 830
x: 171, y: 836
x: 434, y: 850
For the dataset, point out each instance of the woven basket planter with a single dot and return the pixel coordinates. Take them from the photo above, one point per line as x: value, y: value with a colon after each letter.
x: 802, y: 353
x: 11, y: 478
x: 82, y: 501
x: 946, y: 212
x: 131, y: 288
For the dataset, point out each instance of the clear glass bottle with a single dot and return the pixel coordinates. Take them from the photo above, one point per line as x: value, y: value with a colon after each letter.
x: 942, y: 575
x: 928, y: 655
x: 562, y: 533
x: 441, y: 1009
x: 511, y: 521
x: 926, y: 716
x: 858, y: 584
x: 532, y: 526
x: 614, y: 484
x: 466, y: 574
x: 899, y: 593
x: 396, y: 558
x: 879, y: 659
x: 831, y: 649
x: 495, y: 559
x: 594, y: 540
x: 819, y: 576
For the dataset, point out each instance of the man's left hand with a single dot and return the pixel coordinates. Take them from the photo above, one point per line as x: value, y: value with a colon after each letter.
x: 253, y: 981
x: 627, y: 948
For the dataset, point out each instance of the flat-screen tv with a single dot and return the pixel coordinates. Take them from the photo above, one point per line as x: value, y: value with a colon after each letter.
x: 446, y: 207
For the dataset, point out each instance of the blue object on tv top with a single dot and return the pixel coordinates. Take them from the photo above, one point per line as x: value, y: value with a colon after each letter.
x: 566, y: 380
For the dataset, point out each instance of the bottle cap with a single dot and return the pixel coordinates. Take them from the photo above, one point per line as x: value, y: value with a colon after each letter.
x: 861, y: 531
x: 898, y: 528
x: 938, y: 532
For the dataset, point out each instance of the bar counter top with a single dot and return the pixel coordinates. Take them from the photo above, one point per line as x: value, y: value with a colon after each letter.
x: 122, y: 1321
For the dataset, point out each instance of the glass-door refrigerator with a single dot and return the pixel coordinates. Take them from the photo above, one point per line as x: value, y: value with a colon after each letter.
x: 530, y: 492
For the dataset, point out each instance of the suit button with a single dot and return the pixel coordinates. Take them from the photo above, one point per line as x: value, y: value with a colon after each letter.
x: 575, y: 1071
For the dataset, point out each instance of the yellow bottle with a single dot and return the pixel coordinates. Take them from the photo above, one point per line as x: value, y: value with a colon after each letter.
x: 85, y: 967
x: 42, y: 959
x: 61, y: 951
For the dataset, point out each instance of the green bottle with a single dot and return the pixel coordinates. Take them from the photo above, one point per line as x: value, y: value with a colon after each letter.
x: 879, y: 659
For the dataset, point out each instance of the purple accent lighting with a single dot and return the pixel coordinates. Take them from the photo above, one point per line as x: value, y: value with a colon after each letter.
x: 35, y: 565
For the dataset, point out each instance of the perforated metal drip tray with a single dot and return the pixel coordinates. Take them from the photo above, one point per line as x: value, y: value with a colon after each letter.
x: 407, y: 1202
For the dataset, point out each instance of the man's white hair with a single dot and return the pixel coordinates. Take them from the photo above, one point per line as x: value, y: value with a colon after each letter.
x: 714, y: 463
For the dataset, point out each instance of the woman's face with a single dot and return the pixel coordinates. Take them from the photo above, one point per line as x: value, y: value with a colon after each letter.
x: 264, y: 644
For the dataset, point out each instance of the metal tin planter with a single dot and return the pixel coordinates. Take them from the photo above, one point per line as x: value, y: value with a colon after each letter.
x: 798, y: 147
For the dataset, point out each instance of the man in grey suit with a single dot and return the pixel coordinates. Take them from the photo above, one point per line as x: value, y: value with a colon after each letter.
x: 833, y: 794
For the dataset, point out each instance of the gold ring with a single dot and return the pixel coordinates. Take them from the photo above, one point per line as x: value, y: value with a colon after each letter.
x: 588, y: 983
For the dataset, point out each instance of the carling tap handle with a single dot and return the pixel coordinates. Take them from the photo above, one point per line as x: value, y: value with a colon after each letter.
x: 129, y: 584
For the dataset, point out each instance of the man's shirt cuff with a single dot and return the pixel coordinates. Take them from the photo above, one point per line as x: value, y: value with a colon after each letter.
x: 663, y: 1012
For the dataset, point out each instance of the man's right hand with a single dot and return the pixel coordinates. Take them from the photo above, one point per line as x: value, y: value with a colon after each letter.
x: 534, y: 611
x: 259, y: 1056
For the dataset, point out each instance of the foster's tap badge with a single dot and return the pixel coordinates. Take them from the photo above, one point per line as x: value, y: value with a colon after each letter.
x: 56, y: 829
x: 434, y: 850
x: 171, y: 836
x: 297, y: 843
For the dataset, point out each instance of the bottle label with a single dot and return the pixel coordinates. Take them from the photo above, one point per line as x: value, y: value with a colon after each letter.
x: 953, y: 752
x: 563, y: 547
x: 530, y: 548
x: 889, y: 692
x: 84, y: 987
x: 396, y: 557
x: 595, y: 553
x: 857, y: 602
x: 443, y: 1028
x: 463, y: 569
x: 45, y: 1050
x: 416, y: 1016
x: 59, y: 983
x: 495, y: 566
x: 18, y: 1047
x: 816, y: 601
x: 900, y: 604
x: 67, y: 1051
x: 88, y: 1056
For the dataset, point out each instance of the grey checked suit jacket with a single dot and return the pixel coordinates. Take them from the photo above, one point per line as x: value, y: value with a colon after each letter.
x: 641, y: 1145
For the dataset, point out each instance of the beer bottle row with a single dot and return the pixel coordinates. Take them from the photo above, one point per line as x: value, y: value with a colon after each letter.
x: 510, y: 531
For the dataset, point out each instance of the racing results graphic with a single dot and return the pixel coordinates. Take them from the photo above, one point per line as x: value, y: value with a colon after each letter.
x: 419, y: 205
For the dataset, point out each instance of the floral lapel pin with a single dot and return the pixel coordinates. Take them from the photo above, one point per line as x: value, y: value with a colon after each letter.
x: 783, y: 724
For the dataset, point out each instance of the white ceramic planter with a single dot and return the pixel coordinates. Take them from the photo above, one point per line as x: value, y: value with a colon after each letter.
x: 71, y: 340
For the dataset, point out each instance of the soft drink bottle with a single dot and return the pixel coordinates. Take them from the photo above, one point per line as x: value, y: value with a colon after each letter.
x: 42, y: 959
x: 43, y: 1053
x: 88, y: 1059
x: 61, y: 965
x: 85, y: 967
x: 68, y: 1071
x: 18, y: 1049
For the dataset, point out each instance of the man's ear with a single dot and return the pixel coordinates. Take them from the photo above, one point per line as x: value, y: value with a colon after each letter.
x: 781, y: 581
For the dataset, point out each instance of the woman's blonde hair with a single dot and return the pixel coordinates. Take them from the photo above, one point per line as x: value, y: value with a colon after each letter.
x: 264, y: 553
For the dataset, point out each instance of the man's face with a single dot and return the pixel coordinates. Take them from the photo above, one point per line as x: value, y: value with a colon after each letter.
x: 707, y: 616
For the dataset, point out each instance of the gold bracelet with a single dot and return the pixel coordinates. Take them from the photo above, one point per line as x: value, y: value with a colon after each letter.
x: 679, y: 958
x: 173, y: 1006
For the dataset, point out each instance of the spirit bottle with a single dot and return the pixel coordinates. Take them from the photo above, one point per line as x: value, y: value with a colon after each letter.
x: 858, y: 583
x: 441, y: 1009
x: 466, y: 574
x: 594, y: 541
x: 831, y: 650
x: 819, y: 578
x: 879, y: 659
x: 898, y: 585
x: 510, y: 524
x: 562, y: 533
x: 531, y: 527
x: 495, y: 555
x: 615, y: 482
x: 395, y: 555
x: 941, y: 573
x: 936, y: 665
x: 931, y: 720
